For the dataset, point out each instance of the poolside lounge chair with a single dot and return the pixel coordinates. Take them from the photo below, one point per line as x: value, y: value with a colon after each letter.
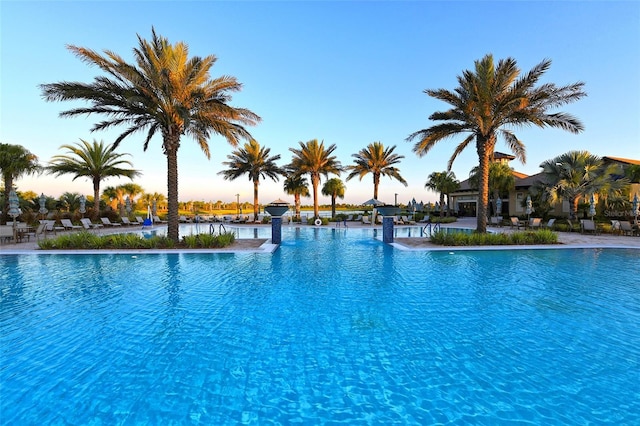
x: 50, y: 226
x: 156, y: 219
x: 588, y: 225
x: 184, y: 219
x: 549, y: 224
x: 515, y: 223
x: 626, y: 228
x: 425, y: 219
x: 126, y: 221
x: 365, y: 220
x: 535, y: 222
x: 107, y: 222
x: 405, y: 219
x: 87, y: 224
x: 139, y: 220
x: 495, y: 220
x: 66, y: 223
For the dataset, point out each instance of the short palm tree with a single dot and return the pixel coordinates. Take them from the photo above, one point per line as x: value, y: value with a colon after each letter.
x: 501, y: 180
x: 254, y: 161
x: 314, y: 159
x: 444, y: 183
x: 490, y: 101
x: 15, y: 162
x: 576, y: 175
x: 334, y: 188
x: 95, y: 161
x: 377, y: 160
x: 164, y: 92
x: 296, y: 185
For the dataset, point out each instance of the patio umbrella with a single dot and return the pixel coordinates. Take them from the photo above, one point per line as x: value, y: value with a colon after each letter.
x: 529, y: 205
x: 43, y: 200
x: 498, y: 207
x: 121, y: 208
x: 635, y: 205
x: 592, y: 207
x: 83, y: 205
x: 14, y: 206
x: 127, y: 204
x: 373, y: 202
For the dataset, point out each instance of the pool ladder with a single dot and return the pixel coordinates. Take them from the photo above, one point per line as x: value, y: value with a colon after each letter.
x: 221, y: 228
x: 431, y: 228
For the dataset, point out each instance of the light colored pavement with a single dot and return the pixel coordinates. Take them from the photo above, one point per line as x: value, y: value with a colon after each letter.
x: 566, y: 239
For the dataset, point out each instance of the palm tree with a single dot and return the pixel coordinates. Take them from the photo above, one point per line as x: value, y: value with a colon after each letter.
x: 501, y: 180
x: 444, y: 183
x: 70, y: 201
x: 335, y: 189
x: 254, y: 161
x: 575, y: 175
x: 94, y: 161
x: 15, y: 162
x: 164, y: 92
x: 378, y: 161
x: 316, y: 160
x: 296, y: 185
x: 489, y: 101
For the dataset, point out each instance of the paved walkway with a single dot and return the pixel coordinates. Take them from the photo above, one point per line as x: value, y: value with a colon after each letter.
x: 566, y: 239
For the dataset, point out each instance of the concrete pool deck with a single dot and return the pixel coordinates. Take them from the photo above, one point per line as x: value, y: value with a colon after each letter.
x: 261, y: 245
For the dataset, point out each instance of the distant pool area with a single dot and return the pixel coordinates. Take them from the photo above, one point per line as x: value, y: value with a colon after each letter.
x: 333, y: 327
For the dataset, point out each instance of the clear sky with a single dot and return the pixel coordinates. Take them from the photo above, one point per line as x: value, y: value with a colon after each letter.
x: 346, y: 72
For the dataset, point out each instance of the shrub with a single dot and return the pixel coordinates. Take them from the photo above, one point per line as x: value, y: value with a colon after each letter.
x: 542, y: 236
x: 88, y: 241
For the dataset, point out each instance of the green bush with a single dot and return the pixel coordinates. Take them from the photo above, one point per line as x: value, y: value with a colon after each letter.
x: 88, y: 241
x: 542, y: 236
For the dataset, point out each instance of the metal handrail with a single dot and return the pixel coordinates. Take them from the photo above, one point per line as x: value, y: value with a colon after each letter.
x: 432, y: 227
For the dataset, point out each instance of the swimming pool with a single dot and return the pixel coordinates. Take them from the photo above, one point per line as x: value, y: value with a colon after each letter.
x: 333, y: 327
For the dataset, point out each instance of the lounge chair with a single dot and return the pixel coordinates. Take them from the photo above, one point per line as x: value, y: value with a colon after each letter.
x: 126, y: 221
x: 50, y: 226
x: 588, y: 225
x: 405, y: 219
x: 535, y: 223
x: 156, y: 219
x: 365, y: 220
x: 87, y: 224
x: 549, y: 224
x: 66, y: 223
x: 515, y: 223
x: 495, y: 220
x: 107, y: 222
x: 139, y: 220
x: 626, y: 228
x: 426, y: 219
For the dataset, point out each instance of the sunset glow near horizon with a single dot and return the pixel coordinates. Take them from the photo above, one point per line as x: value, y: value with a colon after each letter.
x: 346, y: 73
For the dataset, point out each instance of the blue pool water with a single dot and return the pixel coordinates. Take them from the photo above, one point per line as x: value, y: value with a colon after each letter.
x: 334, y: 327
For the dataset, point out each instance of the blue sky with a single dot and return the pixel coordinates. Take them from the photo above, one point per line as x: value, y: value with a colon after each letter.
x: 346, y: 72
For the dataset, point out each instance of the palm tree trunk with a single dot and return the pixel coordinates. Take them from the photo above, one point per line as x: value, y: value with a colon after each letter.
x: 333, y: 205
x: 296, y: 198
x: 376, y: 183
x: 315, y: 180
x: 574, y: 207
x: 484, y: 147
x: 171, y: 144
x: 442, y: 204
x: 256, y: 182
x: 96, y: 198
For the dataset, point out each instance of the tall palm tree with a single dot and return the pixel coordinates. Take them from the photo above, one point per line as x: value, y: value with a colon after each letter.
x: 378, y: 161
x: 296, y: 185
x: 70, y: 201
x: 254, y: 161
x: 95, y: 161
x: 444, y: 183
x: 164, y: 92
x: 15, y: 162
x: 335, y: 189
x: 488, y: 102
x: 575, y: 175
x: 316, y: 160
x: 501, y: 180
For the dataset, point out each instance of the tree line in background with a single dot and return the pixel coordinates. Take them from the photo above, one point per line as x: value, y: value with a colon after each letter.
x: 168, y: 93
